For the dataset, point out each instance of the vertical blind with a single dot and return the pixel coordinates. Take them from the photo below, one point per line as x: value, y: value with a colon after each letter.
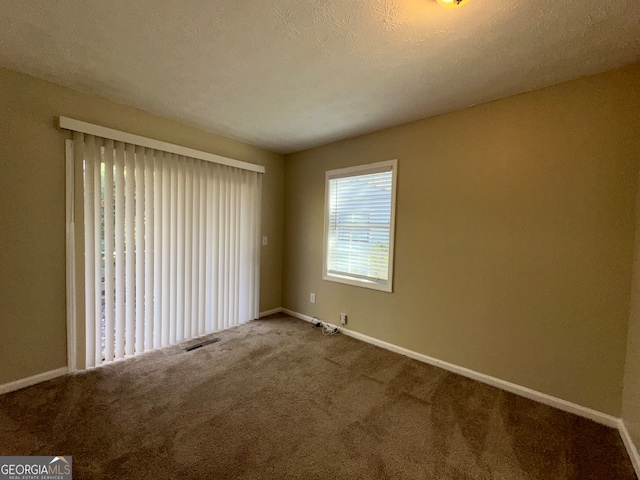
x: 359, y: 226
x: 171, y: 247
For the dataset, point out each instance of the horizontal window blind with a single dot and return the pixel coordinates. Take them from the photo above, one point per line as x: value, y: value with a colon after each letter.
x: 359, y: 225
x: 171, y: 247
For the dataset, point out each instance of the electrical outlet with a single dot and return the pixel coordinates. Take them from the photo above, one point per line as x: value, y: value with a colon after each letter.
x: 265, y: 241
x: 343, y: 318
x: 312, y: 297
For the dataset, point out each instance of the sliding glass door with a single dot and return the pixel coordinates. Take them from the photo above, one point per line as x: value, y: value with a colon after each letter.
x: 171, y: 246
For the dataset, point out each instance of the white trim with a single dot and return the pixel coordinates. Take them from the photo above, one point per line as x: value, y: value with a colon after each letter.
x: 27, y: 382
x: 632, y: 449
x: 71, y: 257
x: 529, y: 393
x: 270, y: 312
x: 300, y: 316
x: 104, y: 132
x: 385, y: 166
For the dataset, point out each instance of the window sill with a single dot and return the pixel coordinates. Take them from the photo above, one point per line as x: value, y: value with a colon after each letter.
x: 382, y: 287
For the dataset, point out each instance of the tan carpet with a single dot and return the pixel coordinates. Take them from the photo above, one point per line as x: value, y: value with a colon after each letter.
x: 276, y: 399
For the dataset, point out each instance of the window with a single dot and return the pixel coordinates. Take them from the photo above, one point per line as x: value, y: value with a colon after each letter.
x: 359, y: 225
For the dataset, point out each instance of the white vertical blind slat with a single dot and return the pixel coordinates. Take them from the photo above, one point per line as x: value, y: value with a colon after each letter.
x: 234, y: 259
x: 180, y: 253
x: 230, y: 238
x: 195, y: 301
x: 94, y: 147
x: 188, y: 248
x: 202, y: 251
x: 224, y: 250
x: 238, y: 244
x: 140, y: 254
x: 130, y: 254
x: 110, y: 271
x: 166, y: 251
x: 173, y: 255
x: 119, y: 240
x: 215, y: 171
x: 89, y: 246
x: 240, y: 261
x: 149, y: 236
x: 158, y: 247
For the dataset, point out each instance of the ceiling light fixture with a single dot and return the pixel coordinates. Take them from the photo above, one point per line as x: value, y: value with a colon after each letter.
x: 452, y: 3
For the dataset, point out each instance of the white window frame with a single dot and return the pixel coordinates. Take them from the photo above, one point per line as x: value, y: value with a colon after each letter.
x: 389, y: 165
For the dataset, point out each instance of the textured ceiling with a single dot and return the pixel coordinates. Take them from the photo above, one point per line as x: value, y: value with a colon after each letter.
x: 292, y: 74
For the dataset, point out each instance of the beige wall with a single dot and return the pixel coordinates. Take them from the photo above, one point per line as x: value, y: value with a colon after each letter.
x: 514, y: 238
x: 631, y: 396
x: 32, y: 206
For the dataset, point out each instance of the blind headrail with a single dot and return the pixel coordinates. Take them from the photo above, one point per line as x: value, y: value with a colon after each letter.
x: 117, y: 135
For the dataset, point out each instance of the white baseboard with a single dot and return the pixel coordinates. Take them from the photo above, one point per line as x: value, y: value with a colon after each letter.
x: 529, y: 393
x: 301, y: 316
x: 631, y: 447
x: 526, y: 392
x: 270, y: 312
x: 27, y: 382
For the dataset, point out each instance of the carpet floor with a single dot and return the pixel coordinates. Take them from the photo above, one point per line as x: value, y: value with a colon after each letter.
x: 276, y: 399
